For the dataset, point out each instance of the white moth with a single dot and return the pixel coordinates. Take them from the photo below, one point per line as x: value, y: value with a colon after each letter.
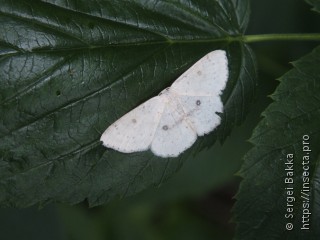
x: 169, y: 123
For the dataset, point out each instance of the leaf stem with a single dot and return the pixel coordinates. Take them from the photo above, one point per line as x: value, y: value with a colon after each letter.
x: 281, y: 37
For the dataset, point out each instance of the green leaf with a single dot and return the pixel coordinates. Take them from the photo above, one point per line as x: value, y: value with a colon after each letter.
x: 290, y: 126
x: 69, y: 69
x: 315, y: 4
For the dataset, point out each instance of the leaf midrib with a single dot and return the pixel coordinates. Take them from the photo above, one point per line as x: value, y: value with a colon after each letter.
x: 83, y: 98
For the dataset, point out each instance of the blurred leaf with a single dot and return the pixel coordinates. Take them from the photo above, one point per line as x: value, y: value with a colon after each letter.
x: 126, y: 220
x: 315, y: 3
x: 262, y: 199
x: 69, y: 69
x: 17, y: 224
x: 80, y: 224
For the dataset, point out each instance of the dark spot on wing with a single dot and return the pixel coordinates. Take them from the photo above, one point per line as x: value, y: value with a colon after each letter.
x: 165, y: 127
x: 198, y: 102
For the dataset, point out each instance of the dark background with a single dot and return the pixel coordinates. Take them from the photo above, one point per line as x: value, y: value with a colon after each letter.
x: 196, y: 203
